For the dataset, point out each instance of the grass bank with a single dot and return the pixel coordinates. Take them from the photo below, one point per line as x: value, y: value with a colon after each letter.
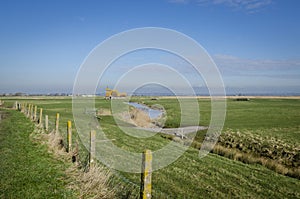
x: 27, y: 170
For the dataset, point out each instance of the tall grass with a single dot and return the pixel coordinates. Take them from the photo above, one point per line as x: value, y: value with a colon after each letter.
x: 249, y: 158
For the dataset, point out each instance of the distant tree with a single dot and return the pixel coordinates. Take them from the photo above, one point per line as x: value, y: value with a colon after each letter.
x: 18, y: 94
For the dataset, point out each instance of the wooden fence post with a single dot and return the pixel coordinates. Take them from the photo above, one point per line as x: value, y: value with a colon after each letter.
x: 41, y: 116
x: 46, y: 122
x: 145, y: 191
x: 16, y: 105
x: 25, y: 108
x: 69, y: 136
x: 28, y: 110
x: 22, y: 107
x: 57, y: 123
x: 34, y: 113
x: 31, y: 111
x: 92, y: 147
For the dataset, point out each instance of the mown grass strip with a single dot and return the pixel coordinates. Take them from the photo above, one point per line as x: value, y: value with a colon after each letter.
x: 27, y: 170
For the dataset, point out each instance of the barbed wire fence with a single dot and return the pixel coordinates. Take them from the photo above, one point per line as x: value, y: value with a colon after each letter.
x: 124, y: 187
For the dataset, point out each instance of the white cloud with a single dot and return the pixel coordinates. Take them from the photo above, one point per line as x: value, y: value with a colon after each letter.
x: 235, y: 66
x: 179, y: 1
x: 248, y: 5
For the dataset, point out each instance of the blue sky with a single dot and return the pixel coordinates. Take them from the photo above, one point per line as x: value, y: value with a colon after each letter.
x: 255, y: 43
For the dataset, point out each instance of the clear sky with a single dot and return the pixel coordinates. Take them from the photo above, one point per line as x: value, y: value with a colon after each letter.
x: 255, y: 43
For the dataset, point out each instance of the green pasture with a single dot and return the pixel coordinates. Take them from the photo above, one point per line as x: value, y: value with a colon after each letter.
x: 213, y: 176
x: 279, y: 118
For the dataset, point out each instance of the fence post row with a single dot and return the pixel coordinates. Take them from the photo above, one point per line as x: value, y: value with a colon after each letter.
x: 69, y: 135
x: 145, y: 191
x: 146, y: 172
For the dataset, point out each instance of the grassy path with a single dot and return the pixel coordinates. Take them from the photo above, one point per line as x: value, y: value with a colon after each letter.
x: 27, y: 170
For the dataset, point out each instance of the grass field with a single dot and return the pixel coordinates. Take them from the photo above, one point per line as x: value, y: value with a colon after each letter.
x: 213, y: 176
x: 27, y: 170
x: 267, y: 117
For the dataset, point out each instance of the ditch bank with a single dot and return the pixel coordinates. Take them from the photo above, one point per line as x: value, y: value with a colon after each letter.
x: 153, y: 119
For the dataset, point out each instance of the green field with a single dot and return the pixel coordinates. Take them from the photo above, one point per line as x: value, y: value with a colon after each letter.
x: 213, y: 176
x: 27, y: 170
x: 267, y: 117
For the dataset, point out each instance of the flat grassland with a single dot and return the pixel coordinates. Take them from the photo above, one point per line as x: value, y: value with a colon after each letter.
x: 214, y: 176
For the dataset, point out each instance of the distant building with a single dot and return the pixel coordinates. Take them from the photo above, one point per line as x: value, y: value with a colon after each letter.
x: 110, y: 93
